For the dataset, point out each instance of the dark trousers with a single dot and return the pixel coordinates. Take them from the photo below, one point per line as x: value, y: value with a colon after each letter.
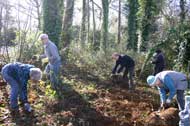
x: 157, y: 70
x: 129, y: 79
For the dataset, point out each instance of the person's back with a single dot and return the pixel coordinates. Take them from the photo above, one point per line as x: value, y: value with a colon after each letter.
x: 18, y: 71
x: 128, y: 61
x: 51, y: 52
x: 179, y: 79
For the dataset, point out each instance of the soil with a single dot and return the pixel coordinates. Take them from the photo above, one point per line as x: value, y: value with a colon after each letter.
x: 89, y: 101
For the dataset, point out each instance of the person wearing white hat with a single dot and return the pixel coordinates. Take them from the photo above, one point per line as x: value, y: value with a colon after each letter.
x: 171, y: 83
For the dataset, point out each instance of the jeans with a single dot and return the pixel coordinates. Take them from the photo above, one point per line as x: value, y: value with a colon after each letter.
x: 185, y: 116
x: 180, y: 99
x: 52, y: 71
x: 16, y: 90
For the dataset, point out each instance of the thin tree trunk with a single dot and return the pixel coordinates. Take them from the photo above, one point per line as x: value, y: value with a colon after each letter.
x: 182, y: 7
x: 104, y: 42
x: 67, y: 23
x: 119, y: 24
x: 83, y: 23
x: 5, y: 27
x: 1, y: 16
x: 94, y: 22
x: 38, y: 13
x: 88, y: 30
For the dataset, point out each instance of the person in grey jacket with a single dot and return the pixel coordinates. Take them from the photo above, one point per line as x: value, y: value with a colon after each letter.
x: 171, y: 82
x: 54, y: 60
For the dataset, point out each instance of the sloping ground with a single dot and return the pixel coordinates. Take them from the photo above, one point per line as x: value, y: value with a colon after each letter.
x: 88, y: 101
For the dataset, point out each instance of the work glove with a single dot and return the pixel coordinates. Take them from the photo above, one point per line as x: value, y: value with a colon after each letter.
x: 168, y: 101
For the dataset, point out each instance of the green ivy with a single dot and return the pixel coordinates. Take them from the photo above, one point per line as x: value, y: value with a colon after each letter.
x: 52, y: 19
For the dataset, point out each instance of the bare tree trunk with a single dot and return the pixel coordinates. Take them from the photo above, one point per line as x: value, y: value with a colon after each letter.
x: 83, y: 23
x: 94, y: 22
x: 37, y: 4
x: 23, y: 31
x: 104, y: 41
x: 88, y: 31
x: 119, y: 24
x: 182, y: 7
x: 19, y: 35
x: 1, y: 16
x: 67, y: 23
x: 5, y: 27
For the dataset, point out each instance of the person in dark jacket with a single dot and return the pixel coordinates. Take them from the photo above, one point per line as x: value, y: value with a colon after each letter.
x: 17, y: 76
x: 158, y: 61
x: 124, y: 61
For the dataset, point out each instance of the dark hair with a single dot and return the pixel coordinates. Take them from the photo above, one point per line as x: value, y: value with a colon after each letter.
x: 158, y: 51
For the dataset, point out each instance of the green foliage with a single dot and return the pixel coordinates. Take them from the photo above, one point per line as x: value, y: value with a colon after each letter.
x: 132, y: 24
x: 183, y: 43
x: 9, y: 37
x: 97, y: 63
x: 52, y: 19
x: 148, y: 11
x: 96, y: 44
x: 30, y: 47
x: 175, y: 45
x: 49, y: 92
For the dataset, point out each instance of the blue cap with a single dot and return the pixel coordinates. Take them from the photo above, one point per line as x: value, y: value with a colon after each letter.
x: 151, y: 80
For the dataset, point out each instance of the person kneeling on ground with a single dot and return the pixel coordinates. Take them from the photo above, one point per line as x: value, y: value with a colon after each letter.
x: 17, y: 76
x: 125, y: 62
x: 170, y: 82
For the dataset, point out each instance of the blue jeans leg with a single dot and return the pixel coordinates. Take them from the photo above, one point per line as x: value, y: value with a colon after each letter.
x: 23, y: 94
x: 54, y: 75
x: 14, y: 91
x: 180, y: 99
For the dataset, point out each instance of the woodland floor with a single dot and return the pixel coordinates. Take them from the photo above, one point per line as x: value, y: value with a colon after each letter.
x: 86, y: 101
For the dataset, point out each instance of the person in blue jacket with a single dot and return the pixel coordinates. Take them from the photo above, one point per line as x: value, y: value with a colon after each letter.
x: 171, y: 83
x: 17, y: 75
x: 127, y: 63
